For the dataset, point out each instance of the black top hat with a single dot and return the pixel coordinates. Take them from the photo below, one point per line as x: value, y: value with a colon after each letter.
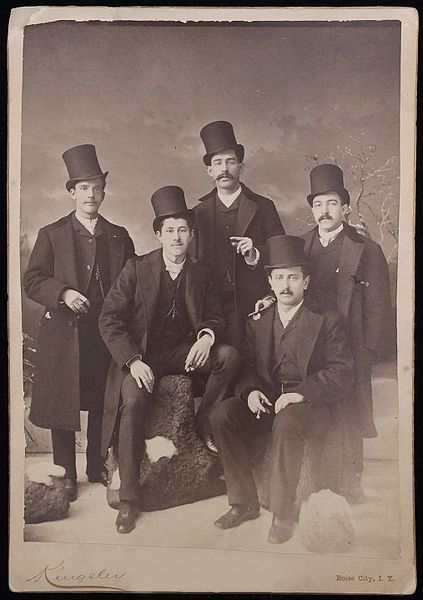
x: 217, y: 137
x: 82, y: 164
x: 285, y: 251
x: 169, y: 201
x: 327, y: 178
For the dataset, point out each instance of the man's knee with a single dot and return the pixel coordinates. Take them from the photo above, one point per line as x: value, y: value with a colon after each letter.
x: 227, y: 356
x: 133, y: 397
x: 289, y: 420
x: 223, y: 413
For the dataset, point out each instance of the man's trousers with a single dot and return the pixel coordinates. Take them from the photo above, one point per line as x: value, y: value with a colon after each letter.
x: 234, y: 429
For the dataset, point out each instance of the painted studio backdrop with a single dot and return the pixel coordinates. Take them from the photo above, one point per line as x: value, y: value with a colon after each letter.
x: 298, y: 94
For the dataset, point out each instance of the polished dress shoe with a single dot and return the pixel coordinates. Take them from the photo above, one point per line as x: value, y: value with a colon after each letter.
x: 237, y: 514
x: 70, y: 485
x: 210, y: 445
x: 280, y: 530
x: 99, y: 477
x: 125, y: 521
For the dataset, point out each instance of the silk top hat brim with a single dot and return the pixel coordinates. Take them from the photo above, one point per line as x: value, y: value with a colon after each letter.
x: 327, y: 178
x: 72, y: 182
x: 219, y: 137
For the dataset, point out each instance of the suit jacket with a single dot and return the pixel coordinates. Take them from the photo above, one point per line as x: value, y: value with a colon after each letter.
x: 128, y: 312
x: 363, y: 300
x: 323, y: 357
x: 258, y: 219
x: 52, y: 268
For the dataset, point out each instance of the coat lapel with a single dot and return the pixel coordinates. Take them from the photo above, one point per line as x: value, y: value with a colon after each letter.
x: 348, y: 264
x: 309, y: 325
x: 116, y: 247
x: 205, y: 220
x: 246, y: 211
x: 309, y: 239
x: 194, y: 286
x: 264, y: 342
x: 149, y: 277
x: 67, y: 247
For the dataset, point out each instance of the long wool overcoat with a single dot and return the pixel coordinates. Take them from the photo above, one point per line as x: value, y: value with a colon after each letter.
x: 52, y: 268
x: 257, y: 219
x: 363, y: 299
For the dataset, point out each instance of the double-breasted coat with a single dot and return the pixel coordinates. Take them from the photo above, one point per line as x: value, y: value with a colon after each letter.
x: 52, y: 268
x: 127, y: 316
x: 257, y: 219
x: 363, y: 300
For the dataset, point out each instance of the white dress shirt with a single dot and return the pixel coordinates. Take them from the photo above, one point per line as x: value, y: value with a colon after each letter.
x: 326, y: 237
x: 87, y: 223
x: 287, y: 316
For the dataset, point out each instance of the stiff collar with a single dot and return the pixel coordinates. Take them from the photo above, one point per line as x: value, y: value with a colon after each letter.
x: 173, y: 268
x: 229, y: 199
x: 89, y: 224
x: 326, y: 237
x: 287, y: 316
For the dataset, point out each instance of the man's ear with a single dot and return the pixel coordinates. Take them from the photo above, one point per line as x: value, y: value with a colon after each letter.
x: 158, y: 235
x: 209, y: 170
x: 241, y: 167
x: 72, y: 193
x: 346, y: 210
x: 269, y: 279
x: 306, y: 281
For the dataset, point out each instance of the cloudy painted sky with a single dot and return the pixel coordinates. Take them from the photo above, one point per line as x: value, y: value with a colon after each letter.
x: 142, y: 93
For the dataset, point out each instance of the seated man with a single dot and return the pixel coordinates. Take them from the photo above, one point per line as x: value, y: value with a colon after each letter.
x: 161, y: 317
x: 298, y: 367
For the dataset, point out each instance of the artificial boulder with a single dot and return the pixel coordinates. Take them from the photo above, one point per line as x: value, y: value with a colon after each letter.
x: 324, y: 523
x: 176, y: 467
x: 46, y: 497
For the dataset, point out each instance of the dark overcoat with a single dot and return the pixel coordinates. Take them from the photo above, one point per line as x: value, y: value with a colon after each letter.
x: 52, y: 268
x: 323, y: 357
x: 363, y: 299
x: 127, y: 315
x: 257, y: 219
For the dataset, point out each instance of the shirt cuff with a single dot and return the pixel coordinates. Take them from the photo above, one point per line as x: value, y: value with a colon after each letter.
x: 252, y: 257
x: 206, y: 330
x: 131, y: 360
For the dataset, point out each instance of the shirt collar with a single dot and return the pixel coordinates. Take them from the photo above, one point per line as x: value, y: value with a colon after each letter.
x: 228, y: 200
x: 287, y: 316
x: 330, y: 235
x: 171, y: 267
x: 87, y: 223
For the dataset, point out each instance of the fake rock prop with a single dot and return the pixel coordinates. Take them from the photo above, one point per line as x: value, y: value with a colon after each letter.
x: 46, y: 498
x: 176, y: 468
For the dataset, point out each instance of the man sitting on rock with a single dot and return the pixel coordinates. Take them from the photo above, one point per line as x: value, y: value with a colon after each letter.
x: 161, y: 317
x: 298, y: 369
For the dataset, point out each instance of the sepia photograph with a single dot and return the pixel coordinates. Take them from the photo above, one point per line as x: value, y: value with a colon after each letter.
x: 211, y: 307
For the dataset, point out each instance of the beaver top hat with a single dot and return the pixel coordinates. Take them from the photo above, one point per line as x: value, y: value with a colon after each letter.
x: 284, y: 251
x: 82, y: 164
x: 169, y: 201
x: 217, y: 137
x: 327, y: 178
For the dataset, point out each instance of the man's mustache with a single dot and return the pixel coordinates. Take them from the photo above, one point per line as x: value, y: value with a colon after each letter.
x: 326, y: 216
x: 286, y: 292
x: 224, y: 175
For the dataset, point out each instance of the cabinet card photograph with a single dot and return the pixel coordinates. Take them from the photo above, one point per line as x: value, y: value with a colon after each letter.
x: 211, y: 300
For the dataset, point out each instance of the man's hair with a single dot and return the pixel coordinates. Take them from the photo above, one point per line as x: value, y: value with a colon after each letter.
x: 188, y: 217
x: 305, y: 269
x: 239, y: 155
x: 73, y: 182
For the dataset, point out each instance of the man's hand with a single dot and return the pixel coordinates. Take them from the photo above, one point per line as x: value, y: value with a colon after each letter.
x: 288, y: 398
x: 142, y: 374
x: 76, y: 301
x: 244, y: 245
x: 199, y: 353
x: 256, y: 400
x: 264, y: 303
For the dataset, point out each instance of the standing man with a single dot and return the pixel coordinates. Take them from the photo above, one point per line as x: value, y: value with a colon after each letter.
x: 71, y: 268
x: 233, y: 224
x: 296, y: 375
x: 350, y: 275
x: 161, y: 317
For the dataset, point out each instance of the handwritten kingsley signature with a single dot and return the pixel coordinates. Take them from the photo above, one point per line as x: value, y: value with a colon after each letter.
x: 60, y: 577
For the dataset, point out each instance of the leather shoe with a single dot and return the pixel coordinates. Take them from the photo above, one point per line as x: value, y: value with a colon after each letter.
x: 99, y: 477
x: 237, y: 514
x: 70, y: 485
x: 280, y: 530
x: 125, y: 521
x: 210, y: 445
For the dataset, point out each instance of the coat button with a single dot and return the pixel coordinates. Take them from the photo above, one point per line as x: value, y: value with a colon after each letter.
x: 91, y: 240
x: 88, y: 267
x: 70, y: 323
